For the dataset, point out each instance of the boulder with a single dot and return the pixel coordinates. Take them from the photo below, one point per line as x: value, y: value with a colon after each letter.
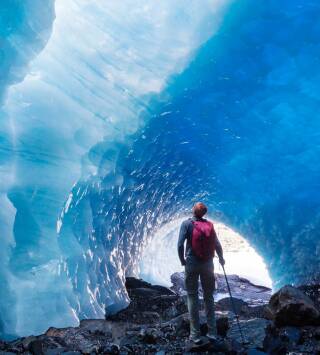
x: 222, y: 326
x: 272, y: 342
x: 132, y: 284
x: 36, y: 347
x: 112, y: 349
x: 56, y: 351
x: 312, y: 291
x: 290, y: 306
x: 225, y: 304
x: 191, y: 347
x: 253, y: 331
x: 255, y: 352
x: 242, y: 288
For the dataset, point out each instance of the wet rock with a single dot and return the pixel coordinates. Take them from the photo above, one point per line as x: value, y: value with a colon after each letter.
x: 241, y: 288
x: 225, y: 304
x: 217, y: 346
x: 56, y: 351
x: 222, y: 326
x: 129, y: 340
x: 290, y: 335
x: 98, y: 327
x: 255, y: 352
x: 312, y: 291
x: 272, y: 342
x: 150, y: 335
x: 36, y: 347
x: 157, y: 322
x: 317, y: 333
x: 140, y: 287
x: 290, y: 306
x: 2, y: 345
x: 253, y: 331
x: 26, y: 341
x: 112, y: 349
x: 205, y: 345
x: 15, y: 346
x: 149, y: 303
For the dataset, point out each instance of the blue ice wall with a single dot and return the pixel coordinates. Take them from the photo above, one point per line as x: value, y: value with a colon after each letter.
x: 78, y: 80
x: 25, y: 27
x: 141, y: 139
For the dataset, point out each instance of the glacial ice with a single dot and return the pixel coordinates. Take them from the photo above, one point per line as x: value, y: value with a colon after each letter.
x: 117, y: 116
x: 77, y: 82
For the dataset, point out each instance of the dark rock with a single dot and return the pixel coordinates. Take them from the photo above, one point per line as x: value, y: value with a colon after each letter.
x: 217, y: 346
x: 290, y: 339
x: 272, y: 343
x: 36, y: 347
x: 205, y: 345
x: 97, y: 327
x: 149, y: 317
x: 180, y: 323
x: 143, y: 292
x: 312, y: 291
x: 26, y: 341
x: 235, y: 346
x: 253, y: 331
x: 146, y: 300
x: 2, y: 345
x: 222, y: 326
x: 225, y: 304
x: 317, y: 333
x: 163, y: 290
x: 132, y: 282
x: 149, y: 335
x: 157, y: 322
x: 290, y: 335
x: 255, y: 352
x: 56, y: 351
x: 135, y: 286
x: 129, y: 340
x: 112, y: 349
x: 290, y: 306
x: 241, y: 288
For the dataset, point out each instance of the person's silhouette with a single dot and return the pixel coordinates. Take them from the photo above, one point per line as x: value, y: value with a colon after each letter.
x: 202, y: 242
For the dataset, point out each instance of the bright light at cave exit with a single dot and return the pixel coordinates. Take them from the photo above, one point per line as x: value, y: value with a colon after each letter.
x: 160, y: 260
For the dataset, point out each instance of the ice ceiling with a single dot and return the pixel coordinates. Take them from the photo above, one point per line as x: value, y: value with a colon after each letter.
x: 117, y: 116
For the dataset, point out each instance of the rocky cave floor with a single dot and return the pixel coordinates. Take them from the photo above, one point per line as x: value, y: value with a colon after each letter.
x: 156, y: 322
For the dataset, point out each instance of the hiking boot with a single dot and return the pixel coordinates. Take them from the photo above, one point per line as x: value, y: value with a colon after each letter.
x: 196, y: 340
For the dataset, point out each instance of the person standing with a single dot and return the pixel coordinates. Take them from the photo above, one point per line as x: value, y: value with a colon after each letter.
x: 201, y: 244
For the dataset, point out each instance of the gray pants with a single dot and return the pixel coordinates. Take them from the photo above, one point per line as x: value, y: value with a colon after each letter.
x: 193, y: 271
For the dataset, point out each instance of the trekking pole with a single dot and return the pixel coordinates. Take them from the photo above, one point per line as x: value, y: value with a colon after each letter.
x: 244, y: 342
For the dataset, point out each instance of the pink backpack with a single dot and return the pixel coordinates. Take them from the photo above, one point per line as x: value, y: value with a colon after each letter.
x: 203, y: 239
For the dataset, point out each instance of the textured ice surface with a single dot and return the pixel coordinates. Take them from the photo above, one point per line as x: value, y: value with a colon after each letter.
x: 122, y: 114
x: 76, y: 81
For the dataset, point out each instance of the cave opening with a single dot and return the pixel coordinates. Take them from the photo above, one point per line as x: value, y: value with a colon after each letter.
x: 159, y: 259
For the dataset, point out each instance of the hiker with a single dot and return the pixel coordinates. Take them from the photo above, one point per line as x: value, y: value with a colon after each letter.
x: 202, y: 242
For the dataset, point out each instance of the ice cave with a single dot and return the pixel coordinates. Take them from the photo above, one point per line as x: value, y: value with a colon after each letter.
x: 116, y: 116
